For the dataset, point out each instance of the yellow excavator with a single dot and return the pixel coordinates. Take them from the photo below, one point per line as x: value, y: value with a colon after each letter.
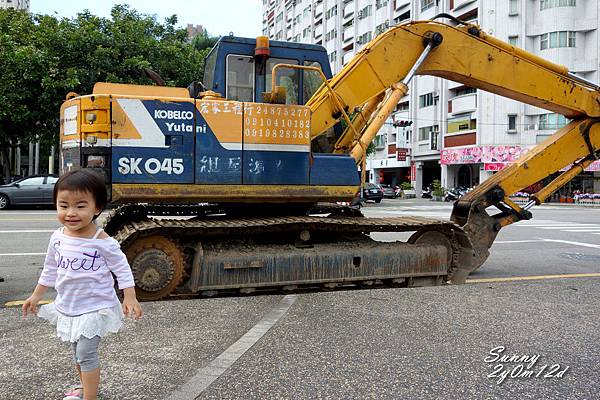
x: 232, y: 184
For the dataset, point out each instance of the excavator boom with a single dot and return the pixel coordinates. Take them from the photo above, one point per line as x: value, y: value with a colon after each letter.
x: 468, y: 55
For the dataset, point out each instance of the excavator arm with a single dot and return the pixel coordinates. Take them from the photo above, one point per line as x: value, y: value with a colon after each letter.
x: 467, y: 55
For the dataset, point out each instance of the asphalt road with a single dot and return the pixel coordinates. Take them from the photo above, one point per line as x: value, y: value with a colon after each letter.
x: 558, y: 240
x: 427, y: 343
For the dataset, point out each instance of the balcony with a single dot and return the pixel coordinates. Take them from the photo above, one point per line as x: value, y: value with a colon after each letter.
x: 348, y: 34
x: 348, y: 11
x: 318, y: 31
x: 401, y: 4
x: 461, y: 3
x: 347, y: 57
x: 319, y: 10
x: 463, y: 104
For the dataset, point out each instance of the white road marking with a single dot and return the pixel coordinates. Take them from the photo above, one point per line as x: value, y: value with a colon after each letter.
x: 31, y: 231
x: 217, y: 367
x: 583, y: 230
x: 566, y: 226
x: 594, y: 246
x: 517, y: 241
x: 21, y: 254
x: 29, y: 213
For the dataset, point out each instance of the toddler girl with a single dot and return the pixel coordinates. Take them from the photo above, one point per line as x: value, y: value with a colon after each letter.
x: 78, y: 265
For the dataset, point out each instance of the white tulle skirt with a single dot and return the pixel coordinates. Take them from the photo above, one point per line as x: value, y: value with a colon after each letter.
x: 97, y: 323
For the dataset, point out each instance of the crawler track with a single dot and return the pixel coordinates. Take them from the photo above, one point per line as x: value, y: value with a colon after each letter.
x: 223, y: 254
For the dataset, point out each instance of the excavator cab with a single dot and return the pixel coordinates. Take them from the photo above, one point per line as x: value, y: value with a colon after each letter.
x: 240, y: 69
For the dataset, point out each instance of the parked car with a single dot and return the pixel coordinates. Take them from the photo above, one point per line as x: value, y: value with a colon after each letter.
x: 388, y: 191
x: 32, y: 190
x: 373, y: 192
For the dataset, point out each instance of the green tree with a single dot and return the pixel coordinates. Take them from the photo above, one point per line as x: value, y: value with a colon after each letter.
x: 42, y: 58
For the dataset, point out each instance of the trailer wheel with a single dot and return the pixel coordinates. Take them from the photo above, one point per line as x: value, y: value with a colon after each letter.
x: 157, y: 266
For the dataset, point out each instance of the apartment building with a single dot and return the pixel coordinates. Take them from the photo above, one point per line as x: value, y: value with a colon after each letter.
x: 442, y: 129
x: 18, y: 4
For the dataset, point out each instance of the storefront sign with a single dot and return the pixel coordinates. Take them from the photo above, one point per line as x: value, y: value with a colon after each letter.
x: 595, y: 166
x: 413, y: 171
x: 494, y: 166
x: 481, y: 154
x: 401, y: 154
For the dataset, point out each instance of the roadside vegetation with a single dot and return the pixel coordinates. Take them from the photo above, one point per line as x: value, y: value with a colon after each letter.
x: 44, y: 57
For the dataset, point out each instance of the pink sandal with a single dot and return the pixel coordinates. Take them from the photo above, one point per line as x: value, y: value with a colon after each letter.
x: 74, y: 394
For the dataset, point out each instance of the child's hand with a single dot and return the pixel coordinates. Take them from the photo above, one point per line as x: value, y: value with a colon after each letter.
x: 132, y: 308
x: 30, y: 305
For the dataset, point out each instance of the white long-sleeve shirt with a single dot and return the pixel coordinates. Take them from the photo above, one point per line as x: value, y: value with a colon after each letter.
x: 80, y: 271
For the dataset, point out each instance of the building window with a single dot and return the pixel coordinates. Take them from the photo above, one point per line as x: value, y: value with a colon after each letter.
x: 382, y: 27
x: 402, y: 106
x: 365, y: 12
x: 364, y: 38
x: 513, y: 41
x: 424, y: 133
x: 426, y: 4
x: 380, y: 3
x: 427, y: 100
x: 306, y: 12
x: 464, y: 90
x: 512, y: 122
x: 553, y: 40
x: 544, y: 4
x: 552, y: 121
x: 513, y: 7
x: 461, y: 123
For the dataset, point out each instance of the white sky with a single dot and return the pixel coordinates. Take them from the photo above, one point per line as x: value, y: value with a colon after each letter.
x: 219, y: 17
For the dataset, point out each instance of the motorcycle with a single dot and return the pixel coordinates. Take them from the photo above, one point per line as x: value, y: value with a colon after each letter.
x: 455, y: 193
x: 398, y: 192
x: 427, y: 193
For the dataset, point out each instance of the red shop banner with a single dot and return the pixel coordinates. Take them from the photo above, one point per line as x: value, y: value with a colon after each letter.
x: 494, y: 166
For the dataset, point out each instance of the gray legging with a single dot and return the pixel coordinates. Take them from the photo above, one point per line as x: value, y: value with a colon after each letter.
x: 85, y: 353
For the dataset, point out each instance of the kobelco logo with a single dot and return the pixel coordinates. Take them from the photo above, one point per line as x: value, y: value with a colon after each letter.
x: 173, y: 114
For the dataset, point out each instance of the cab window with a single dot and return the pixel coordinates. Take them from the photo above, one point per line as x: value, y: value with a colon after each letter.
x: 240, y: 78
x: 286, y: 77
x: 312, y: 80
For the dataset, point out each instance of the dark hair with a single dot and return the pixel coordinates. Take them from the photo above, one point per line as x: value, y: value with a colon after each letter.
x: 83, y: 180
